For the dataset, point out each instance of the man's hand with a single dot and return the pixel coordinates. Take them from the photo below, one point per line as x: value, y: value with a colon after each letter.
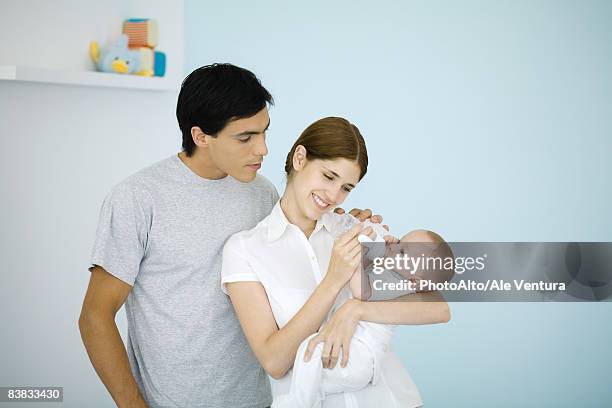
x: 363, y: 215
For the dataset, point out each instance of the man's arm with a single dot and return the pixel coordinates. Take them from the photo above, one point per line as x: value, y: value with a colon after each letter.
x: 105, y: 296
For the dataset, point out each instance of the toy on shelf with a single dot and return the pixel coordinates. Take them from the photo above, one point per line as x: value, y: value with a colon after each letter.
x: 133, y: 53
x: 141, y: 32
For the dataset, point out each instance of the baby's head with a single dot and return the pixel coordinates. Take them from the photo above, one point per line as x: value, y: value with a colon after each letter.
x: 433, y: 250
x: 325, y: 163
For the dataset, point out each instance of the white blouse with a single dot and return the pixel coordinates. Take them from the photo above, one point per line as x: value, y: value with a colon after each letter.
x: 290, y: 266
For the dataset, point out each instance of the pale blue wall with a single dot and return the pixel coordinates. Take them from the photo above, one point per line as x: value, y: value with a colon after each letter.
x: 485, y: 120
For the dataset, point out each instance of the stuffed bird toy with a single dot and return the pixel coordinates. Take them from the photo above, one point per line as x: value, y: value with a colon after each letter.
x: 120, y: 59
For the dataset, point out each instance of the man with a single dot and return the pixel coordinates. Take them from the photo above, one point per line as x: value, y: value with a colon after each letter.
x: 158, y: 249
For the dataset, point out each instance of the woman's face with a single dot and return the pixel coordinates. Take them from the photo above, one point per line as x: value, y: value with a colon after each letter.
x: 322, y: 185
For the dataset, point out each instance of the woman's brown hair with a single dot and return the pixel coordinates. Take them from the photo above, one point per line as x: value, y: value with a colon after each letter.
x: 328, y: 139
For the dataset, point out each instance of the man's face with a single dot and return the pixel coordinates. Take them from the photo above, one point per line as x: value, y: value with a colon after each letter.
x: 239, y: 148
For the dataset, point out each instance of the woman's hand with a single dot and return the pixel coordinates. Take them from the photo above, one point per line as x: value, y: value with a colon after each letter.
x: 346, y: 256
x: 336, y: 335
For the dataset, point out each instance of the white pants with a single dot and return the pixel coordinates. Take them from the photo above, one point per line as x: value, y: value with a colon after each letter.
x: 310, y: 383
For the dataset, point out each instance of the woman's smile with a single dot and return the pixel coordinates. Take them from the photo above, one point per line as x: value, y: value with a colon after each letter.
x: 319, y: 202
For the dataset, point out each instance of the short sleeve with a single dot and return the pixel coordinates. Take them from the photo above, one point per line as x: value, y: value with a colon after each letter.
x: 235, y: 266
x: 121, y: 236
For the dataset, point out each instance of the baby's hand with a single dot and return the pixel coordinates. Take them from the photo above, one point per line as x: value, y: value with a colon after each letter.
x: 392, y: 246
x: 390, y: 239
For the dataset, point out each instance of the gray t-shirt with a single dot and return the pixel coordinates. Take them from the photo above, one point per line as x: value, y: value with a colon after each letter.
x: 162, y: 231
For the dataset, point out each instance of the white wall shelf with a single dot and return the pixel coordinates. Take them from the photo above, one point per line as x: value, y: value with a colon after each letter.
x: 86, y: 78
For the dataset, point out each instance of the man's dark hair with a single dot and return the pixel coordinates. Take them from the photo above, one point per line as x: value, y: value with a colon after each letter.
x: 213, y: 95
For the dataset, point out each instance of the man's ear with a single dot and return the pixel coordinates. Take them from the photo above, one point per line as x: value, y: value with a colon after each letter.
x: 200, y: 138
x: 299, y: 158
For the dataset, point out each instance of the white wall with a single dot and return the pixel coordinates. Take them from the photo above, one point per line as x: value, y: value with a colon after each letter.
x: 61, y: 150
x: 56, y: 34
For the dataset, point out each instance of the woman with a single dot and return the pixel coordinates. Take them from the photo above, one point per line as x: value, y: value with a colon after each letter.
x: 285, y: 275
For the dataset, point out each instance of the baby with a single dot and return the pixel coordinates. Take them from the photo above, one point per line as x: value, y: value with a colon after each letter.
x: 310, y: 383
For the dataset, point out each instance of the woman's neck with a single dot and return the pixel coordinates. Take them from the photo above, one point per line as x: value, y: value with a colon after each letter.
x: 289, y: 206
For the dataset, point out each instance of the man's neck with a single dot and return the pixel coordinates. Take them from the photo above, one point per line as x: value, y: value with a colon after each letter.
x: 202, y: 166
x: 294, y: 215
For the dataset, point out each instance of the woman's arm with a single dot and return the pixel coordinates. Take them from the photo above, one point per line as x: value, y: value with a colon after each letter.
x: 276, y: 349
x: 360, y: 285
x: 414, y: 308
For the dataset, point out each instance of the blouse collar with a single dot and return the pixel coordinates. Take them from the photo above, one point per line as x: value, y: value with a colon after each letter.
x: 278, y: 223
